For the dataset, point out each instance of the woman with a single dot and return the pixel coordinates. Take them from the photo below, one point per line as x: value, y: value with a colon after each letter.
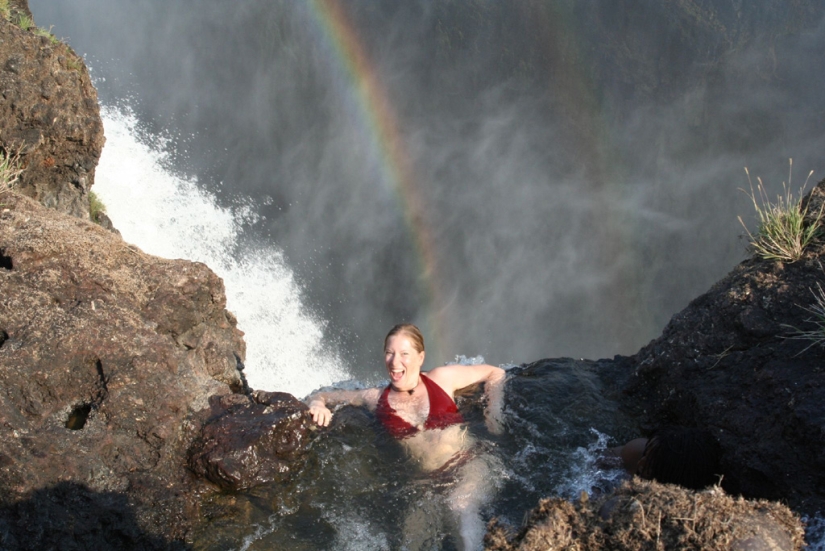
x: 419, y: 410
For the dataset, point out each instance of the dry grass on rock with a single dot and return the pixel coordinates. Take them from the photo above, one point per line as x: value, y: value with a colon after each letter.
x: 651, y: 516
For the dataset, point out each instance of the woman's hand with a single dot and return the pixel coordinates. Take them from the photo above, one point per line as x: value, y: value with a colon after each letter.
x: 494, y: 412
x: 320, y: 412
x: 320, y: 402
x: 494, y: 422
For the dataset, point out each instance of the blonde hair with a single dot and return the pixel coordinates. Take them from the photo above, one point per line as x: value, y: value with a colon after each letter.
x: 411, y: 331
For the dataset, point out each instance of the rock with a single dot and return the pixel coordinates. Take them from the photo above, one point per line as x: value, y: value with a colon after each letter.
x: 107, y: 359
x: 648, y: 515
x: 50, y: 116
x: 731, y: 362
x: 251, y: 440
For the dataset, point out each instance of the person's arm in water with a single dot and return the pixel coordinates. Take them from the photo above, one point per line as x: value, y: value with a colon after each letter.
x: 632, y: 454
x: 454, y: 377
x: 320, y: 402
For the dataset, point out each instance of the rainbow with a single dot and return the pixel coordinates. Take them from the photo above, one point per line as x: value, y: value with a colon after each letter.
x: 380, y: 128
x: 554, y: 27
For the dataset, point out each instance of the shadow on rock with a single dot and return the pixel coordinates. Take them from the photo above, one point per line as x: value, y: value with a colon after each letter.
x: 70, y: 516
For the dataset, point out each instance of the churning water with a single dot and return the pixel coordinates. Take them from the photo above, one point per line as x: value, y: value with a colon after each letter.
x: 170, y: 216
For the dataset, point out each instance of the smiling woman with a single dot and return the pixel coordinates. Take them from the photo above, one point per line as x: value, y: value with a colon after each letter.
x: 419, y: 410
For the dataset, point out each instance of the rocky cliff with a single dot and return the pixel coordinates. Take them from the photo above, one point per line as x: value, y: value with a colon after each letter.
x: 49, y: 114
x: 733, y: 361
x: 116, y: 367
x: 107, y: 355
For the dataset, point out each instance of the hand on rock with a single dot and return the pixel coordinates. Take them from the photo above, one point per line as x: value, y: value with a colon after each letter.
x: 494, y: 423
x: 320, y: 413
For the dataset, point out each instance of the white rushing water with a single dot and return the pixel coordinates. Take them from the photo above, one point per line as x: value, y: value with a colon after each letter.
x: 169, y: 216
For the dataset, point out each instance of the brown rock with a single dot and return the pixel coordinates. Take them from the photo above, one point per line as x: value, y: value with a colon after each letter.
x: 647, y: 515
x: 251, y: 440
x: 50, y: 116
x: 731, y: 362
x: 107, y: 359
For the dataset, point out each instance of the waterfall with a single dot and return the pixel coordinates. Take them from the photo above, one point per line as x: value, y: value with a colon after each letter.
x: 168, y: 215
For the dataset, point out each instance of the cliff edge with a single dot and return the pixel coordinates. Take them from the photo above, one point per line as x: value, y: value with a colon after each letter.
x: 122, y: 401
x: 745, y: 360
x: 49, y: 114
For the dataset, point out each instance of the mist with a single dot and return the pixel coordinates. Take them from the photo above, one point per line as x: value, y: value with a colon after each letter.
x: 578, y: 165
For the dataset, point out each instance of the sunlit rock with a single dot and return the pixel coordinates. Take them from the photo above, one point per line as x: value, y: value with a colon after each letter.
x: 107, y: 359
x: 49, y: 116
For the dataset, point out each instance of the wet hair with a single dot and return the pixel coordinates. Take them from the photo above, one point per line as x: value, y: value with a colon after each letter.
x: 683, y: 456
x: 409, y: 330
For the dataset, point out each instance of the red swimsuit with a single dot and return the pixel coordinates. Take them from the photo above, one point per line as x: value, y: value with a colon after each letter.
x: 443, y: 412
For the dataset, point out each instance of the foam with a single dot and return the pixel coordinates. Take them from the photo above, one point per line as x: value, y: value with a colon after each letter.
x: 172, y: 217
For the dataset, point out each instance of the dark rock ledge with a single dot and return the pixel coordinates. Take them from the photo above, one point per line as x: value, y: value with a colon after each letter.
x: 730, y: 362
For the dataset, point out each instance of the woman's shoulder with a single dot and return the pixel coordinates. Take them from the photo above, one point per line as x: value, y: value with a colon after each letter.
x: 455, y: 376
x: 371, y: 396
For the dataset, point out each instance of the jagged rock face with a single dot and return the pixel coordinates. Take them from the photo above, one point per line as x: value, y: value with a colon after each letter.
x: 728, y: 362
x: 107, y: 359
x: 50, y: 116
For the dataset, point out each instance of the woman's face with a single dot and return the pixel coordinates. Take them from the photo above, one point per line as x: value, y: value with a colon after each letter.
x: 403, y: 362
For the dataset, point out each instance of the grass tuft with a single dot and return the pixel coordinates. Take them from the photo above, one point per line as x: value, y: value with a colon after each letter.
x: 39, y: 31
x: 782, y: 233
x: 74, y: 62
x: 5, y: 9
x: 96, y: 207
x: 10, y: 170
x: 816, y: 335
x: 24, y: 21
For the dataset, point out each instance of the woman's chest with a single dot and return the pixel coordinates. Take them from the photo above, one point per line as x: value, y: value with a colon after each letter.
x: 414, y: 409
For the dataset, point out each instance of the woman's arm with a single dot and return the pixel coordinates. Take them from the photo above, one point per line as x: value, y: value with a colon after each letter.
x: 454, y: 377
x: 320, y: 402
x: 494, y: 411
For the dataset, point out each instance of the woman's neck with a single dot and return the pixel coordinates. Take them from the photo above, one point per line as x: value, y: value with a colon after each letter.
x: 408, y: 391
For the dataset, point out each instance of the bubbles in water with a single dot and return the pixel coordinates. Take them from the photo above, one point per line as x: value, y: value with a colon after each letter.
x: 171, y: 217
x: 354, y: 533
x: 259, y: 532
x: 588, y: 473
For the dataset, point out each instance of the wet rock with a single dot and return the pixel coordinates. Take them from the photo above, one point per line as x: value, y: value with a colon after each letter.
x: 49, y: 116
x: 251, y: 440
x: 107, y: 357
x: 648, y: 515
